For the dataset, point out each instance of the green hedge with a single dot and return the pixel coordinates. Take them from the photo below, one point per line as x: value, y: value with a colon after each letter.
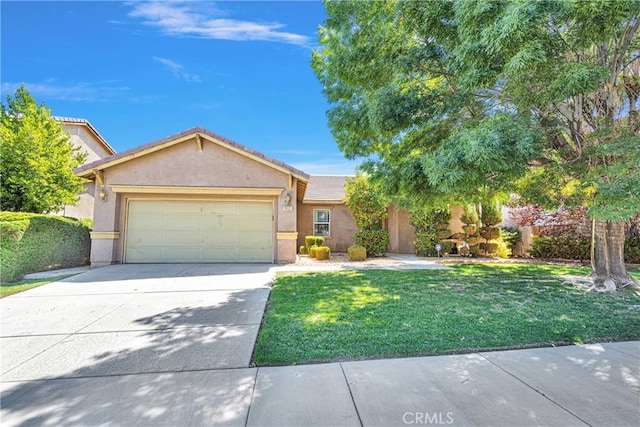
x: 31, y: 243
x: 570, y: 246
x: 376, y: 241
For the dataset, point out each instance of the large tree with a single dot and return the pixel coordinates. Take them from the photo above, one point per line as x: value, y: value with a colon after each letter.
x: 466, y: 100
x: 36, y: 158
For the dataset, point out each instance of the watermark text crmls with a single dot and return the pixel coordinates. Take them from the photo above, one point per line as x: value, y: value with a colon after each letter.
x: 427, y: 418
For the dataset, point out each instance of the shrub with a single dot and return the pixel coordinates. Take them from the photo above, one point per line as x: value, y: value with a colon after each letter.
x: 464, y: 251
x: 446, y: 248
x: 357, y: 253
x: 376, y: 241
x: 303, y: 250
x: 469, y: 215
x: 474, y: 251
x: 490, y: 233
x: 309, y: 241
x: 31, y: 243
x: 312, y: 251
x: 510, y: 236
x: 323, y: 253
x: 319, y: 240
x: 491, y: 214
x: 565, y: 246
x: 632, y: 250
x: 425, y: 243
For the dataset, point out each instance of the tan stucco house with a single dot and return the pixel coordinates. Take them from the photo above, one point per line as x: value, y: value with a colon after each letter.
x: 88, y: 139
x: 199, y: 197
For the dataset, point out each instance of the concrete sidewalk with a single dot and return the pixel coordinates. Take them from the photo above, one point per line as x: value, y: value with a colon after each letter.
x: 591, y: 385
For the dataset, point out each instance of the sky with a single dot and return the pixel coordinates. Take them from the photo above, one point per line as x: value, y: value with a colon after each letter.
x: 143, y: 70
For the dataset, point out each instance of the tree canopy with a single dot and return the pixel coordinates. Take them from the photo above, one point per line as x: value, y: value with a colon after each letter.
x: 36, y: 158
x: 463, y: 101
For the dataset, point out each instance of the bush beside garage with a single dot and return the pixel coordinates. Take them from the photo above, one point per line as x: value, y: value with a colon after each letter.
x: 32, y: 243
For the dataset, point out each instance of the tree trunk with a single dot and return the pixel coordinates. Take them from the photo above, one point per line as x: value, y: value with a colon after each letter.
x: 607, y: 258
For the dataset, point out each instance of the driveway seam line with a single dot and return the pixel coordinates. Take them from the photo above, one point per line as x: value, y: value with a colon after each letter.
x: 532, y: 388
x: 353, y: 400
x: 36, y: 355
x: 253, y: 393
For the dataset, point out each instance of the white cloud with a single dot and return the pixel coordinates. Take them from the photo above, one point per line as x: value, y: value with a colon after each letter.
x: 177, y: 70
x: 205, y: 20
x: 78, y: 91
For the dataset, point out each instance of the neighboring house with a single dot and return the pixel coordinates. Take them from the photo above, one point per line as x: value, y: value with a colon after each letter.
x: 199, y: 197
x: 85, y: 136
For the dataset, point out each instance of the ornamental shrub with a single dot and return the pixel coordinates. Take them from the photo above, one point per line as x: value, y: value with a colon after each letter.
x: 490, y: 233
x: 323, y: 253
x: 375, y: 241
x: 303, y: 250
x: 491, y: 214
x: 564, y: 246
x: 632, y: 250
x: 309, y: 241
x: 312, y: 251
x: 357, y: 253
x: 425, y: 243
x: 32, y: 243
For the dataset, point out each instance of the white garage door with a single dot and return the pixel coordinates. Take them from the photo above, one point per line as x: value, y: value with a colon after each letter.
x: 198, y: 231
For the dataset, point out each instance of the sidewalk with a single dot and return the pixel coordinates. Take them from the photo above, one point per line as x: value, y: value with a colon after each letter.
x: 596, y: 385
x: 591, y: 385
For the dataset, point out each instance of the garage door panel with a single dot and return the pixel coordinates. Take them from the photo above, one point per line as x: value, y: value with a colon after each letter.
x: 145, y: 222
x: 199, y: 231
x: 182, y: 238
x: 143, y: 254
x: 182, y: 254
x: 183, y: 207
x: 145, y: 239
x: 220, y: 255
x: 149, y: 206
x: 252, y: 254
x: 256, y: 224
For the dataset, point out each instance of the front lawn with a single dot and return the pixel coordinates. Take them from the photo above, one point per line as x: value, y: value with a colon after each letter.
x: 13, y: 288
x: 349, y: 315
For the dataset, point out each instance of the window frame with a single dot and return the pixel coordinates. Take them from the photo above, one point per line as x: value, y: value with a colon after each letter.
x: 327, y: 223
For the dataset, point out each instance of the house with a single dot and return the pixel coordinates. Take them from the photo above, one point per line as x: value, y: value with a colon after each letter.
x: 199, y: 197
x: 84, y: 135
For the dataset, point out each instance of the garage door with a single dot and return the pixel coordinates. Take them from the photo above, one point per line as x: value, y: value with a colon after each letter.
x: 197, y: 231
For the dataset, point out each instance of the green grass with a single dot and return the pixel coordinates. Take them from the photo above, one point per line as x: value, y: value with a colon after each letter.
x: 350, y: 315
x: 14, y: 288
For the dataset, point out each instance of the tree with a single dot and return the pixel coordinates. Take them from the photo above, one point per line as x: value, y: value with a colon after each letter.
x: 36, y: 158
x: 368, y: 209
x: 469, y: 100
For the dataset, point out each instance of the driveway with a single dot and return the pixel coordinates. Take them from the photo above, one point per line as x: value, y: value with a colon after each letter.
x: 170, y: 333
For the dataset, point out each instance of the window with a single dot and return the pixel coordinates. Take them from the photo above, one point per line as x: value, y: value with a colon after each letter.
x: 321, y: 222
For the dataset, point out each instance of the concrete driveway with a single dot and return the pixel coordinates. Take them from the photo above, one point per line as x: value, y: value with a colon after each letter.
x: 159, y: 332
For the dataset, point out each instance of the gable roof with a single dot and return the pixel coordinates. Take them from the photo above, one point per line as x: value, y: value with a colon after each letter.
x: 326, y: 189
x: 89, y: 170
x: 85, y: 122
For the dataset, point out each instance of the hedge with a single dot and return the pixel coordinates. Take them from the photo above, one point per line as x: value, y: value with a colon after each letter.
x: 31, y: 243
x: 376, y: 241
x: 570, y: 246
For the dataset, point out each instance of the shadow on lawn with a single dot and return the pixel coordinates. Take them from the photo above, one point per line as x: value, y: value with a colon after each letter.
x: 165, y: 376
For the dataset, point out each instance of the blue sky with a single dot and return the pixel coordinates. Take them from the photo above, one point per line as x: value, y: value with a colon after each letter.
x: 140, y: 71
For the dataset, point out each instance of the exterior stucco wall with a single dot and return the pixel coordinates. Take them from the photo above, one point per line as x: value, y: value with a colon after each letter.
x: 401, y: 232
x: 82, y: 137
x: 342, y: 227
x: 183, y: 165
